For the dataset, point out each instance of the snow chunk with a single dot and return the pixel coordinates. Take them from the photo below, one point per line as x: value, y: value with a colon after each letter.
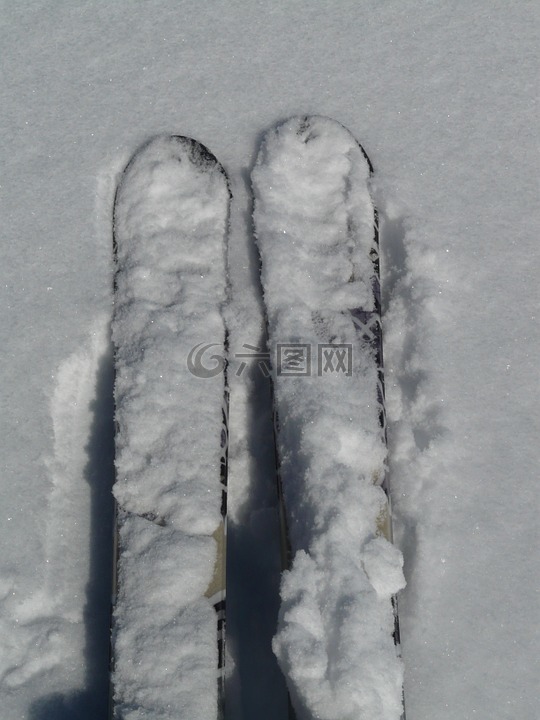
x: 383, y: 564
x: 333, y: 641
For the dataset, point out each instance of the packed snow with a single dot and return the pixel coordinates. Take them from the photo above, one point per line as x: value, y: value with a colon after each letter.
x: 170, y: 229
x: 443, y: 96
x: 314, y: 223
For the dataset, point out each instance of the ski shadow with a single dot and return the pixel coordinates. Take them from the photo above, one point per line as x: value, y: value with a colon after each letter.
x: 420, y: 412
x: 395, y: 284
x: 91, y: 702
x: 398, y: 284
x: 256, y: 686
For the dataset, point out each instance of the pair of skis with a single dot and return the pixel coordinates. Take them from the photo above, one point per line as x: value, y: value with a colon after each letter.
x: 317, y: 234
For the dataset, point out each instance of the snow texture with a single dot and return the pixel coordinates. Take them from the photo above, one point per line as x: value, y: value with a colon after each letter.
x: 314, y: 221
x: 46, y: 619
x: 444, y: 96
x: 170, y: 226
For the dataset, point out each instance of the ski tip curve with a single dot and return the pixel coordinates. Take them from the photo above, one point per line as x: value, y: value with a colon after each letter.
x: 310, y: 127
x: 164, y: 147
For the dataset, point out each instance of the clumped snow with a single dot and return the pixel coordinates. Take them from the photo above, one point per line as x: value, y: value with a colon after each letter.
x: 170, y: 225
x: 314, y: 221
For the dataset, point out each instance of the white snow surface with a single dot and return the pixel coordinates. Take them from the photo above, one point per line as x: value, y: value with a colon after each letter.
x: 161, y: 612
x: 170, y: 229
x: 444, y: 97
x: 314, y: 223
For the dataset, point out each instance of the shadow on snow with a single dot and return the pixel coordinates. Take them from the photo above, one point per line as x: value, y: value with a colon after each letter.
x: 91, y: 702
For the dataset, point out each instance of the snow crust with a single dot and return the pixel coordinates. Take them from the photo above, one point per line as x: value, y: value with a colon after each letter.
x: 314, y: 222
x: 170, y: 226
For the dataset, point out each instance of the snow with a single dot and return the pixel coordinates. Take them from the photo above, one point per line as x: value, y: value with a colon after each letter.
x: 161, y: 613
x: 170, y: 229
x: 444, y: 99
x: 314, y: 223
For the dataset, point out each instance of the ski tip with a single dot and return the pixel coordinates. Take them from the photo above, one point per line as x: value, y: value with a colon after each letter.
x: 166, y: 147
x: 310, y: 127
x: 165, y: 161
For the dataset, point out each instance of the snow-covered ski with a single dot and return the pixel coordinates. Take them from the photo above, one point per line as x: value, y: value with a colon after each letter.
x: 170, y: 233
x: 317, y: 233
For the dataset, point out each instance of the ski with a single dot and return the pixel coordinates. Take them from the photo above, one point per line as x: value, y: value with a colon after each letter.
x: 170, y: 226
x: 317, y: 233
